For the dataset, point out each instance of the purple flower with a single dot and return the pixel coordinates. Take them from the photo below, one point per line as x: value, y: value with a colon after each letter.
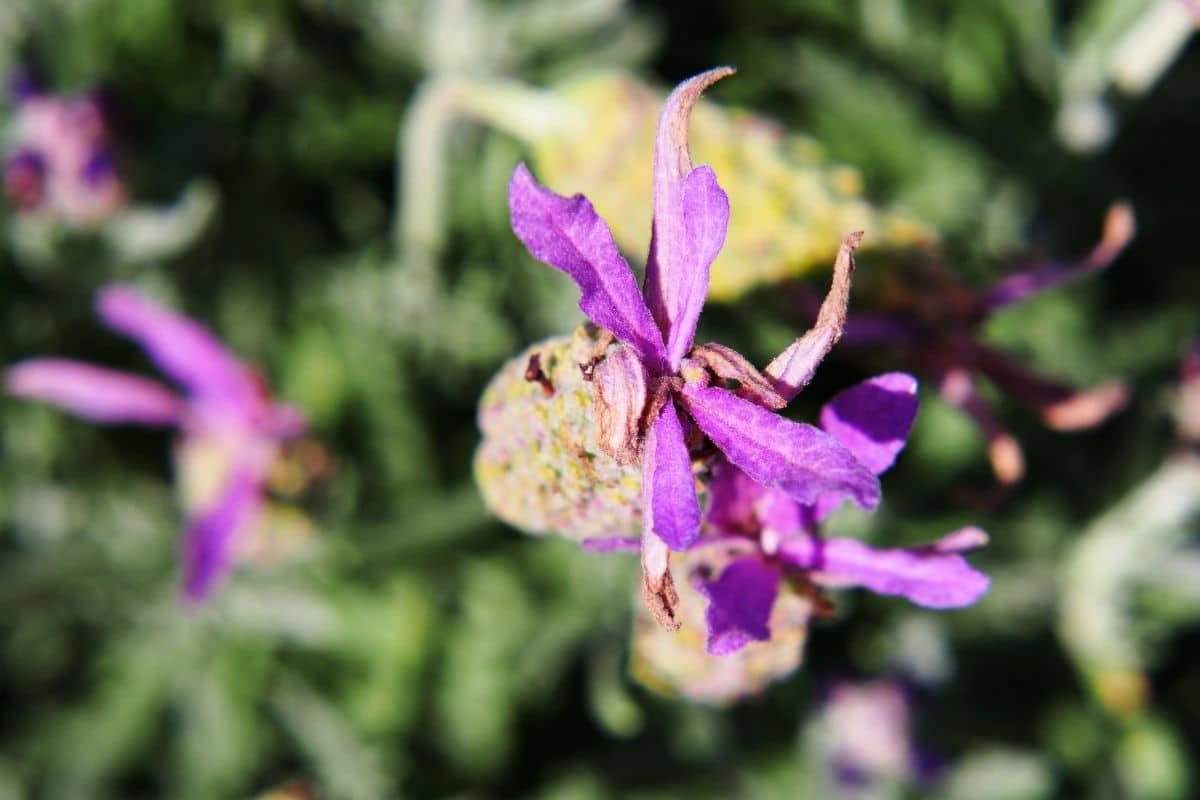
x: 778, y: 538
x: 658, y: 395
x: 230, y: 425
x: 59, y: 162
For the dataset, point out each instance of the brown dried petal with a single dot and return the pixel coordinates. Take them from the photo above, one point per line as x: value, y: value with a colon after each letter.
x: 794, y: 367
x: 620, y: 381
x: 729, y: 364
x: 658, y: 587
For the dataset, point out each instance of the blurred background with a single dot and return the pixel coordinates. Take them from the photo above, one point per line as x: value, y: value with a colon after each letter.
x: 322, y: 183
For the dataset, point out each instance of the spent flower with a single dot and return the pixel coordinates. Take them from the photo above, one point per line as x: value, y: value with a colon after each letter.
x: 758, y: 570
x: 58, y: 158
x: 231, y: 428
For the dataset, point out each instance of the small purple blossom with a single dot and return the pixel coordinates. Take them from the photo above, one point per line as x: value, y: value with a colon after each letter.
x: 775, y: 538
x: 223, y: 412
x: 59, y: 161
x: 658, y: 395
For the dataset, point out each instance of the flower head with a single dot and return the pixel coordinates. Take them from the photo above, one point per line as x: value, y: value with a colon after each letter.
x: 932, y: 321
x: 231, y: 427
x: 658, y: 396
x: 58, y: 161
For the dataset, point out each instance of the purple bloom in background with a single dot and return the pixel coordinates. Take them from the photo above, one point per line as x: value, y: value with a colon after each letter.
x: 932, y: 321
x: 658, y: 396
x: 778, y: 538
x: 59, y: 161
x: 224, y: 412
x: 865, y: 734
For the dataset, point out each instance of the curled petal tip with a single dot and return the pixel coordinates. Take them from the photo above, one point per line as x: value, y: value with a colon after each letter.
x: 671, y: 147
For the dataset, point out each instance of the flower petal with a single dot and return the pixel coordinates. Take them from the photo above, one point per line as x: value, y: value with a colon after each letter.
x: 803, y: 461
x: 1119, y: 229
x: 700, y: 223
x: 734, y: 499
x: 183, y: 349
x: 739, y: 607
x: 792, y: 369
x: 957, y: 387
x: 211, y: 533
x: 658, y: 587
x: 669, y: 493
x: 934, y: 577
x: 568, y: 234
x: 872, y: 419
x: 691, y: 216
x: 94, y: 393
x: 730, y: 365
x: 620, y: 381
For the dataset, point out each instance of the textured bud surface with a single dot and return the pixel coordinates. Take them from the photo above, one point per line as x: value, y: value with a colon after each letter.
x: 677, y: 663
x: 790, y: 205
x: 540, y: 466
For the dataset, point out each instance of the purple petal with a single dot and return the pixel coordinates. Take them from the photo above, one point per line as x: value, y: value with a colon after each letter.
x: 792, y: 369
x: 208, y: 543
x: 94, y: 393
x: 669, y: 490
x: 872, y: 419
x: 803, y: 461
x: 733, y: 499
x: 702, y: 218
x: 691, y: 215
x: 927, y: 576
x: 568, y: 234
x: 183, y: 349
x: 1119, y: 229
x: 739, y: 607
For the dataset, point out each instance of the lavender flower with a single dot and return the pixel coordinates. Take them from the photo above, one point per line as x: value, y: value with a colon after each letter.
x: 657, y: 396
x: 231, y: 428
x: 58, y: 161
x: 755, y: 576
